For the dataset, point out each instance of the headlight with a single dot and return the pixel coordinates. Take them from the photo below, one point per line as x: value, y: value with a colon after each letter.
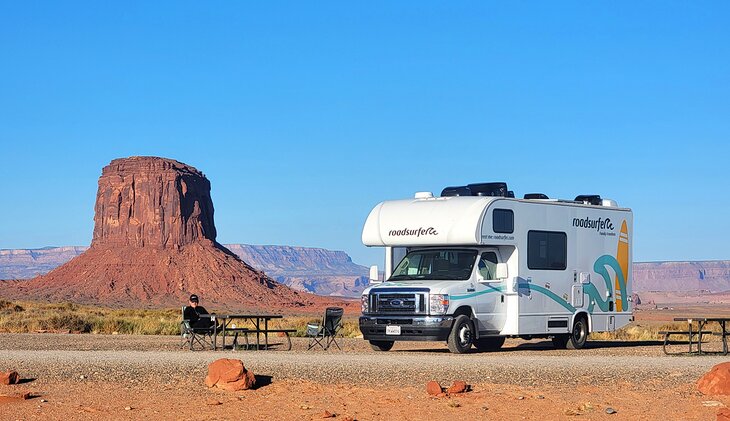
x: 439, y: 303
x: 364, y: 304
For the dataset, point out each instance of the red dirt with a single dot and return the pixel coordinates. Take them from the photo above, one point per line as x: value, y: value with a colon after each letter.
x: 302, y: 400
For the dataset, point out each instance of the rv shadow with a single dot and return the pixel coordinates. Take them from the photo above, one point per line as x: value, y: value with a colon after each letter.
x: 546, y: 346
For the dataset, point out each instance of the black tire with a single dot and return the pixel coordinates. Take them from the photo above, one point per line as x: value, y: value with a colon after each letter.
x: 381, y: 345
x: 461, y: 336
x: 579, y: 335
x: 561, y: 341
x: 490, y: 343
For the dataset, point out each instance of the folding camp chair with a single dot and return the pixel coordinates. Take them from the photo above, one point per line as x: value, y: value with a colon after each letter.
x: 191, y: 336
x: 325, y: 333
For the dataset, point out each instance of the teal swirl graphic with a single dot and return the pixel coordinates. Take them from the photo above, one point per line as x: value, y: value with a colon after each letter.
x: 600, y: 268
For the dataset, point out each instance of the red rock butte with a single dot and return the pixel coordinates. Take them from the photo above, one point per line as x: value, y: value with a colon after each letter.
x: 154, y: 244
x: 146, y: 201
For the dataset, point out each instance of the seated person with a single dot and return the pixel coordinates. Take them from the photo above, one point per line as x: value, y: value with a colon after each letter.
x: 192, y: 313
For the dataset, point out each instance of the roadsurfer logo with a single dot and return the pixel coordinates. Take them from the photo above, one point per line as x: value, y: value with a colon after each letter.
x: 596, y: 224
x: 413, y: 232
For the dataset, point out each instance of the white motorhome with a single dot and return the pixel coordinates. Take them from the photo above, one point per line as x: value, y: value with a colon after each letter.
x: 477, y: 265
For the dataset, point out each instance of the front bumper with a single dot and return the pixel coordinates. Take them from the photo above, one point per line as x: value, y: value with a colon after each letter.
x: 418, y: 328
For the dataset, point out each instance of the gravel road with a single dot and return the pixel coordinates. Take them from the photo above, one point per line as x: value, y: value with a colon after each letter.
x: 143, y: 359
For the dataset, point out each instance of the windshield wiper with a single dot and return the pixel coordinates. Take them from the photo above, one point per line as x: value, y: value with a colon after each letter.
x: 405, y: 277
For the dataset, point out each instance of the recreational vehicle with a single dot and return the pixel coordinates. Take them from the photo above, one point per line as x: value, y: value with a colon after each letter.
x: 477, y: 265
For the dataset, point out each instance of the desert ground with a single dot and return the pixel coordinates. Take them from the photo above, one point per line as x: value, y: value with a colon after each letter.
x: 84, y: 376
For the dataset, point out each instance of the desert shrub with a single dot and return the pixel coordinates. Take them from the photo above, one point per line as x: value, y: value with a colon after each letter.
x: 10, y: 307
x: 72, y: 322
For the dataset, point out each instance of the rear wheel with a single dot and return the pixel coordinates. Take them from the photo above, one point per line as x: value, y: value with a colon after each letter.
x: 381, y: 345
x: 461, y: 336
x: 579, y: 335
x: 490, y: 343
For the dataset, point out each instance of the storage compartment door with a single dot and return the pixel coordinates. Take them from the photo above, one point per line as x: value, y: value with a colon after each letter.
x: 577, y: 296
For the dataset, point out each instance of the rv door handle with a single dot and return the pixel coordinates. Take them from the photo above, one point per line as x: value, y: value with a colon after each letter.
x: 470, y: 290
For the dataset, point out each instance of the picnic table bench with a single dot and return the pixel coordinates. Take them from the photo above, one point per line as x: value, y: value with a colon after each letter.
x: 697, y: 333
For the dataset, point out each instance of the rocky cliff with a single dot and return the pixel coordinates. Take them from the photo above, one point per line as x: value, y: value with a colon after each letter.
x: 315, y: 270
x: 154, y: 244
x: 29, y: 263
x: 709, y: 276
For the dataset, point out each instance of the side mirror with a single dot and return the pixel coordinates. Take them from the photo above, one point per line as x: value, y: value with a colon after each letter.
x: 374, y: 275
x: 502, y: 272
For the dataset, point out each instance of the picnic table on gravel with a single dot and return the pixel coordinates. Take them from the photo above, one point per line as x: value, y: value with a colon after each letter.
x: 699, y: 332
x: 257, y: 324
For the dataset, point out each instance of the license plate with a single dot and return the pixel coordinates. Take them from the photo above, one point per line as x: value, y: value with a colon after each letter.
x: 392, y: 330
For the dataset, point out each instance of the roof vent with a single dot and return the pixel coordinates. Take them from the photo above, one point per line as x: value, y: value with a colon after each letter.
x: 589, y: 199
x: 489, y: 189
x: 456, y: 191
x: 532, y: 196
x: 479, y: 189
x: 424, y: 195
x: 609, y: 203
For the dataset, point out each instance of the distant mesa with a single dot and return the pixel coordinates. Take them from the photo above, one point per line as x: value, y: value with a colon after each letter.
x: 154, y: 243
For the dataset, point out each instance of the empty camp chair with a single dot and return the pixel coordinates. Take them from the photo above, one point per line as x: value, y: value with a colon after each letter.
x: 195, y: 337
x: 325, y: 333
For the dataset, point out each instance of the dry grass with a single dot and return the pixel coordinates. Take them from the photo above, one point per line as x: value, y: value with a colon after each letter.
x: 650, y: 332
x: 23, y: 317
x: 26, y: 317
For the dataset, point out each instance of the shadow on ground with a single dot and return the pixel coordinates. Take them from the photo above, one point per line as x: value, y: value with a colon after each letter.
x: 262, y: 380
x: 548, y: 346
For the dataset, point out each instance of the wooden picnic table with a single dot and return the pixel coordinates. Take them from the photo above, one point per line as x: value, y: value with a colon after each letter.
x: 702, y: 321
x: 250, y: 323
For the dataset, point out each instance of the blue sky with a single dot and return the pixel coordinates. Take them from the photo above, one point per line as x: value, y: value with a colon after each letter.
x: 305, y: 115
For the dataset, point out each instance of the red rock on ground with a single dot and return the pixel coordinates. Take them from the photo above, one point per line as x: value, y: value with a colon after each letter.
x: 458, y: 386
x: 9, y: 377
x: 433, y: 388
x: 723, y: 414
x: 229, y: 374
x: 716, y: 381
x: 154, y: 244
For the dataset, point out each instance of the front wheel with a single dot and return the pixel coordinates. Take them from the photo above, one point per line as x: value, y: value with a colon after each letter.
x: 461, y: 335
x: 381, y: 345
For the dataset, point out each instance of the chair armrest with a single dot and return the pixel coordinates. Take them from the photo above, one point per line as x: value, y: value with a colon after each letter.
x: 312, y: 329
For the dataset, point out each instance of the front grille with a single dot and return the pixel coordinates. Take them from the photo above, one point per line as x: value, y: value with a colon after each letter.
x: 389, y: 302
x: 396, y: 303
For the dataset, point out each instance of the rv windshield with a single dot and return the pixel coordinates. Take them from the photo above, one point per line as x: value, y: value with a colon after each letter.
x: 435, y: 264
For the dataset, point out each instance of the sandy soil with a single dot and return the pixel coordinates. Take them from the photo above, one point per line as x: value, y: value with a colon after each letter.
x: 527, y: 380
x: 292, y: 399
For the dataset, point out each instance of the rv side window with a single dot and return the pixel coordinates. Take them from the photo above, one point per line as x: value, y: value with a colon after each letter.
x: 547, y: 250
x: 503, y: 221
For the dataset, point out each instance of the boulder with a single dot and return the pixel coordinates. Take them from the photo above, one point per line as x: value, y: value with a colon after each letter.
x: 229, y: 374
x: 433, y: 388
x: 459, y: 386
x: 716, y: 381
x: 9, y: 377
